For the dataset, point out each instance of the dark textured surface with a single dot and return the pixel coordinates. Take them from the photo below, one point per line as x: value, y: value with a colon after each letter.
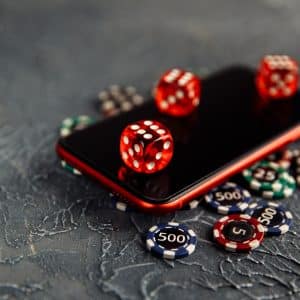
x: 58, y: 239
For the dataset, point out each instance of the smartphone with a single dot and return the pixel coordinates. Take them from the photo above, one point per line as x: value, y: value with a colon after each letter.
x: 231, y: 129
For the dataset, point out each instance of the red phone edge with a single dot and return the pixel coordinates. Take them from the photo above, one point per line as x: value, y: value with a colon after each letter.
x: 182, y: 200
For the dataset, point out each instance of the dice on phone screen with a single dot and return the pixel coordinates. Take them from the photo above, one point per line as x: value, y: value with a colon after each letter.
x: 146, y: 146
x: 277, y: 77
x: 177, y: 93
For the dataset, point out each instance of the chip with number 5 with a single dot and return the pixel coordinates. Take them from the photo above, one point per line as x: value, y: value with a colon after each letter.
x: 238, y: 233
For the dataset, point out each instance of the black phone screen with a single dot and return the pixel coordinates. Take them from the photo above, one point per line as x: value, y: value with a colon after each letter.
x: 230, y: 121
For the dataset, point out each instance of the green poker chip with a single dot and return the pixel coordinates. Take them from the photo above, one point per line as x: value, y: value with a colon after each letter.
x: 284, y: 193
x: 69, y: 125
x: 270, y: 179
x: 69, y: 168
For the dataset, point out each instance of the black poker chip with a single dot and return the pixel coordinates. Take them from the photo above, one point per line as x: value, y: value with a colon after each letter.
x: 117, y: 99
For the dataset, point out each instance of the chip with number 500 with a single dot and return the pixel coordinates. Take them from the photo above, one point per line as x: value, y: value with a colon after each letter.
x: 171, y: 240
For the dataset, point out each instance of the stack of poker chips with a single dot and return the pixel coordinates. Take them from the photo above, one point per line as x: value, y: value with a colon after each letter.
x: 116, y: 99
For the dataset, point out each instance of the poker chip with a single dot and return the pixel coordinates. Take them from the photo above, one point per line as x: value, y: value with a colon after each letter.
x: 116, y: 99
x: 296, y: 165
x: 270, y: 180
x: 119, y: 203
x: 70, y: 168
x: 283, y: 158
x: 274, y: 217
x: 171, y: 240
x: 238, y: 233
x: 69, y: 125
x: 228, y: 198
x: 193, y: 204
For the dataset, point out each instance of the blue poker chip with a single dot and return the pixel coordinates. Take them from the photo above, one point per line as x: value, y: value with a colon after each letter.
x: 273, y: 216
x: 120, y: 203
x: 193, y: 204
x: 228, y: 198
x: 171, y: 240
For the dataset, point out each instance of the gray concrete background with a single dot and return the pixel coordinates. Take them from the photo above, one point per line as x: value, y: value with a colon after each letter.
x: 58, y: 238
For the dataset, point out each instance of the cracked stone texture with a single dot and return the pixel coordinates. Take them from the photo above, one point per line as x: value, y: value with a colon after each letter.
x: 59, y: 238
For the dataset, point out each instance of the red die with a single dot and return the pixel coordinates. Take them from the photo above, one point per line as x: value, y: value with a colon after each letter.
x: 277, y: 77
x: 146, y: 146
x: 177, y: 93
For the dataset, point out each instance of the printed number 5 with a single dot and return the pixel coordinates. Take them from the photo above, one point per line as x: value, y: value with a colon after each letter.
x: 238, y: 231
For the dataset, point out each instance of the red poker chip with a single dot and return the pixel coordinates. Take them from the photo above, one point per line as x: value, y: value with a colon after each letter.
x: 238, y: 233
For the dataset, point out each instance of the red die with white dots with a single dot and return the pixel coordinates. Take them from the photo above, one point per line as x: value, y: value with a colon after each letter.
x: 277, y: 77
x: 177, y: 93
x: 146, y: 146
